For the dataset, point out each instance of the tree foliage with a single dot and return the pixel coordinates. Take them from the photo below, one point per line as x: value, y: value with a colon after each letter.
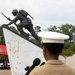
x: 67, y: 53
x: 52, y: 28
x: 69, y: 49
x: 68, y: 29
x: 37, y: 29
x: 2, y: 41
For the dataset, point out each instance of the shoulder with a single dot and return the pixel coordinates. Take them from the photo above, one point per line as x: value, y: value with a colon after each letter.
x: 39, y: 70
x: 22, y: 11
x: 35, y: 71
x: 69, y: 70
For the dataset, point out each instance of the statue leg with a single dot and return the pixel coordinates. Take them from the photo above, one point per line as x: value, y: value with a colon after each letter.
x: 31, y: 30
x: 20, y: 28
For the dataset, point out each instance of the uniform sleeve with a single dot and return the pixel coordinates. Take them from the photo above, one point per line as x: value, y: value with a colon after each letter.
x: 15, y: 19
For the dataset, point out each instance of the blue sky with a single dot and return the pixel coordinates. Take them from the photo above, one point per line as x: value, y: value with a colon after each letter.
x: 45, y: 12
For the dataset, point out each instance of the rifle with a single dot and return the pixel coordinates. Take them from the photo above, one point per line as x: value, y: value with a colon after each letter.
x: 30, y: 16
x: 7, y: 18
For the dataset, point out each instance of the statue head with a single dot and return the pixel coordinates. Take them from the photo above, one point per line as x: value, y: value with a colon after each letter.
x: 14, y: 12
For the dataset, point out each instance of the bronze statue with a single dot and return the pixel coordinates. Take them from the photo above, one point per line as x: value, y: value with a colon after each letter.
x: 25, y: 22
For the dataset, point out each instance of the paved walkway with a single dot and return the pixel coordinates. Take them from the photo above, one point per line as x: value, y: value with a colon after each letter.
x: 5, y: 72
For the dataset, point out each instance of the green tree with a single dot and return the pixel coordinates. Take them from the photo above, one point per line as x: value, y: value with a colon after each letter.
x: 4, y: 57
x: 68, y: 29
x: 67, y: 45
x: 67, y: 53
x: 72, y: 47
x: 2, y: 40
x: 52, y: 28
x: 37, y: 29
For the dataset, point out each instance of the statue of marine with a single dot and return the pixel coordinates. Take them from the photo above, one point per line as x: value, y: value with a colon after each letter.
x: 25, y: 22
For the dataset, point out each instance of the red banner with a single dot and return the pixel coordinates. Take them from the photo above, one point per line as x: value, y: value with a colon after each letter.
x: 3, y: 50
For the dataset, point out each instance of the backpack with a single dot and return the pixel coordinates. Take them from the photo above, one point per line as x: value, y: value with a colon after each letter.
x: 23, y: 12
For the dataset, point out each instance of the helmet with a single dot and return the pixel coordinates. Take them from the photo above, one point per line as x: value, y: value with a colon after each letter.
x: 15, y: 10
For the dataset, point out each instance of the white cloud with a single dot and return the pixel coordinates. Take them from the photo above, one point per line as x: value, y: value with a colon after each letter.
x: 45, y: 12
